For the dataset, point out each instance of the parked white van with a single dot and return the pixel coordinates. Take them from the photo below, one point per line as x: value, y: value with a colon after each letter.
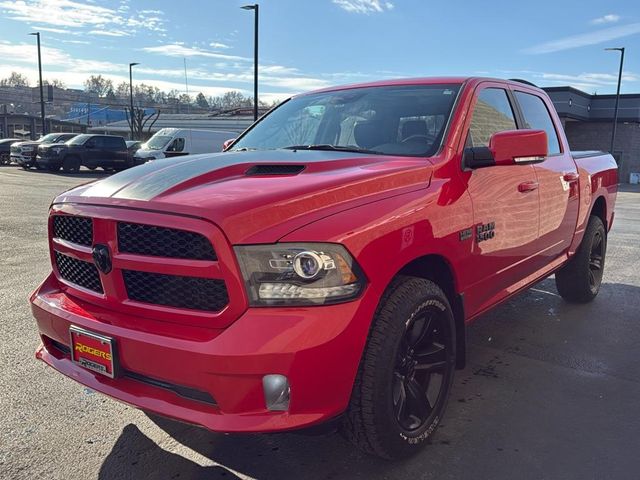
x: 174, y: 142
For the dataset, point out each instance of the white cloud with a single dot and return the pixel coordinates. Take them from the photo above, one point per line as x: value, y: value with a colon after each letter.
x: 218, y: 45
x: 63, y: 31
x: 70, y: 14
x: 609, y: 18
x: 364, y: 6
x: 591, y: 38
x: 110, y: 33
x: 588, y: 81
x: 180, y: 50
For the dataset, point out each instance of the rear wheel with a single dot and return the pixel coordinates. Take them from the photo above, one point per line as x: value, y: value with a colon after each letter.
x: 71, y: 164
x: 5, y: 158
x: 25, y: 166
x: 406, y: 371
x: 580, y: 279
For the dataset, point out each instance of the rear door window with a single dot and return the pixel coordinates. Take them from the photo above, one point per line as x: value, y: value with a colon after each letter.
x: 536, y: 116
x: 492, y: 114
x: 114, y: 143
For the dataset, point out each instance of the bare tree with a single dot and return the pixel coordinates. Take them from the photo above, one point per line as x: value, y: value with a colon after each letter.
x: 140, y: 120
x: 55, y: 82
x: 15, y: 79
x: 201, y: 101
x: 98, y: 84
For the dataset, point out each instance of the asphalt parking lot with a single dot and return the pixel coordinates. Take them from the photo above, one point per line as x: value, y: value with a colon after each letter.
x: 551, y: 390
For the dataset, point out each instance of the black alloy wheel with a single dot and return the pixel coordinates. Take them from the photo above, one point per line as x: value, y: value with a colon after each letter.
x: 421, y: 370
x: 596, y: 261
x: 579, y: 280
x: 406, y: 371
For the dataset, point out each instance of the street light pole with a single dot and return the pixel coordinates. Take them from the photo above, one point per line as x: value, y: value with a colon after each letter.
x: 256, y: 10
x: 42, y: 113
x: 615, y: 110
x: 131, y: 65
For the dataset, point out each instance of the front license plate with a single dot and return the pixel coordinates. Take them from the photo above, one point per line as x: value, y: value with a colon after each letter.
x: 93, y: 351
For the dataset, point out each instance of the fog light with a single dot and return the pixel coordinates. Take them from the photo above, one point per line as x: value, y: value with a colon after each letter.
x: 276, y: 392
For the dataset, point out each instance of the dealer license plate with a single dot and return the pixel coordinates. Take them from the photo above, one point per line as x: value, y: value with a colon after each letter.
x: 93, y: 351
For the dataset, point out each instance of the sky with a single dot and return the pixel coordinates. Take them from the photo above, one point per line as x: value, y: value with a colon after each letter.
x: 310, y: 44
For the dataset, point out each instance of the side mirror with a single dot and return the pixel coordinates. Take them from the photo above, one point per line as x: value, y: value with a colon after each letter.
x: 227, y: 144
x: 511, y: 147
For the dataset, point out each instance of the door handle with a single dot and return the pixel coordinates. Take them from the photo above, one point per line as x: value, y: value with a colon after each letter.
x: 528, y: 186
x: 570, y: 177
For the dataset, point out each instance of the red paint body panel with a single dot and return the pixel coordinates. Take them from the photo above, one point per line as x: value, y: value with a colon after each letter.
x: 386, y: 211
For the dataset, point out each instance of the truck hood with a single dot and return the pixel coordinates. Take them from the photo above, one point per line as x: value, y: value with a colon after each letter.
x: 47, y: 146
x: 257, y: 196
x: 31, y: 143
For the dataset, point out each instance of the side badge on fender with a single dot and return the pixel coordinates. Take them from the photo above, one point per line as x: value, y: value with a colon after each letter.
x: 465, y: 234
x: 485, y: 231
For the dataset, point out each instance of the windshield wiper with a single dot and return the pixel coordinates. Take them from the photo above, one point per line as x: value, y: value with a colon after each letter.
x: 327, y: 146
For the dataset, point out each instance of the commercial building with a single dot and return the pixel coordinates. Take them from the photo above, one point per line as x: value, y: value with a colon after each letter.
x: 588, y: 123
x: 17, y: 125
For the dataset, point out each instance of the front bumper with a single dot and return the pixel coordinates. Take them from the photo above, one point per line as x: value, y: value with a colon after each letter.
x: 317, y: 348
x: 25, y: 159
x: 49, y: 160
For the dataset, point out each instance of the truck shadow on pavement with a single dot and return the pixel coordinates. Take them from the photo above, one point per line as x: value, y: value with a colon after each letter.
x: 278, y: 456
x: 524, y: 334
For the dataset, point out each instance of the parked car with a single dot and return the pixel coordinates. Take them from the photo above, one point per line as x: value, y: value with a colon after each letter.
x: 92, y: 151
x: 325, y: 267
x: 175, y: 142
x: 24, y: 153
x: 133, y: 146
x: 5, y: 148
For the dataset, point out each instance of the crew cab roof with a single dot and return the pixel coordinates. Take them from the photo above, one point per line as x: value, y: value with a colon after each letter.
x: 420, y: 81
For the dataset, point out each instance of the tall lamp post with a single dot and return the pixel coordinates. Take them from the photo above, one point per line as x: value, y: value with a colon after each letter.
x: 255, y: 7
x: 42, y: 114
x: 131, y: 65
x: 615, y: 110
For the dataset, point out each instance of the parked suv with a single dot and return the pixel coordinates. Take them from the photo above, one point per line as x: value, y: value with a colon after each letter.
x: 5, y: 144
x: 24, y: 153
x: 92, y: 151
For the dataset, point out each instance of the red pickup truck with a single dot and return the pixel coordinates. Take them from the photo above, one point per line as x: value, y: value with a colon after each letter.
x: 324, y: 266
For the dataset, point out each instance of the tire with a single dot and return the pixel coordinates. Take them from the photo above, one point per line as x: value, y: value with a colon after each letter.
x: 53, y: 168
x: 25, y: 166
x: 396, y: 405
x: 580, y: 279
x: 5, y: 159
x: 71, y: 164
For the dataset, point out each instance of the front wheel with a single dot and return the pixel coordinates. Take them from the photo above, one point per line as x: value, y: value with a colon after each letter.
x: 5, y: 159
x: 71, y: 164
x: 406, y: 371
x: 580, y: 279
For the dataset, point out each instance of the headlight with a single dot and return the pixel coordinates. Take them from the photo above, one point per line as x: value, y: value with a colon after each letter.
x: 299, y: 274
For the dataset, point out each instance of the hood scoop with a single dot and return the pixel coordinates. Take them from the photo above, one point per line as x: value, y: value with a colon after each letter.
x: 281, y: 169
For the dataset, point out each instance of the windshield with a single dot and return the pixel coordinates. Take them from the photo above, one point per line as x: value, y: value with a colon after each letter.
x: 48, y: 138
x: 390, y: 120
x: 157, y: 142
x: 79, y: 140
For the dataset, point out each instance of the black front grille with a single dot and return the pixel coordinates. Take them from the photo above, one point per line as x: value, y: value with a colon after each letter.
x: 73, y: 229
x: 163, y: 242
x: 176, y: 291
x: 79, y: 272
